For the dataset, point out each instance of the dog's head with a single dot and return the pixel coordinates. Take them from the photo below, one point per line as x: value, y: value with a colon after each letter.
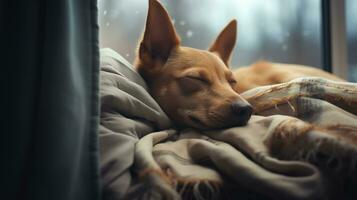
x: 194, y: 87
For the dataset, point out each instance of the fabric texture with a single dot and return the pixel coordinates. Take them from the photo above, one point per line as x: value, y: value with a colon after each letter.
x: 128, y: 113
x: 50, y: 108
x: 300, y: 144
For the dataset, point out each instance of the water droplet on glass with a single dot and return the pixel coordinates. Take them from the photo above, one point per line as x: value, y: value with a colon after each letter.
x: 280, y: 40
x: 182, y: 23
x: 285, y: 47
x: 127, y: 55
x: 189, y: 33
x: 137, y: 12
x: 107, y: 24
x: 105, y: 12
x: 306, y: 33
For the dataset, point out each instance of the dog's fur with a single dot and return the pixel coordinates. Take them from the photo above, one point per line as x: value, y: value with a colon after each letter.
x: 266, y: 73
x: 195, y: 87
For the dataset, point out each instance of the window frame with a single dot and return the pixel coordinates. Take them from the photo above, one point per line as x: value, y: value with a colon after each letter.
x: 334, y: 39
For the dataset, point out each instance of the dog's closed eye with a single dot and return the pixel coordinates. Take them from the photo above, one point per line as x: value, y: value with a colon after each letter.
x: 198, y: 78
x: 232, y: 81
x: 190, y: 84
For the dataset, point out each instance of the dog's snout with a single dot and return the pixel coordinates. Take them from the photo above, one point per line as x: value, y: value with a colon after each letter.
x: 242, y: 110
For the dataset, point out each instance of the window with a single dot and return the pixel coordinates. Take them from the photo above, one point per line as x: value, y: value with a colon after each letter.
x: 275, y: 30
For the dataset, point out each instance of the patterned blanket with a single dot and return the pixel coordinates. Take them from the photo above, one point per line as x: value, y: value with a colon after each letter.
x: 300, y: 144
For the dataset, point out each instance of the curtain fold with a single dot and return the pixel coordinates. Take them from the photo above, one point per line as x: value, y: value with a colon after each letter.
x: 49, y: 99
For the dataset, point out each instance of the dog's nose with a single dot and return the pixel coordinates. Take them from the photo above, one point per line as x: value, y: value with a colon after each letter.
x: 243, y: 111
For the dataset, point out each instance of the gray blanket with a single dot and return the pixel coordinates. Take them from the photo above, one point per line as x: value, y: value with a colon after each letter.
x: 301, y: 144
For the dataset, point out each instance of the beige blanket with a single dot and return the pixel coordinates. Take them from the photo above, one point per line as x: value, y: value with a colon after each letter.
x: 301, y: 144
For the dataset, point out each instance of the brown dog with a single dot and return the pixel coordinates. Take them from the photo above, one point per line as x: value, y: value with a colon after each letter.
x: 194, y: 87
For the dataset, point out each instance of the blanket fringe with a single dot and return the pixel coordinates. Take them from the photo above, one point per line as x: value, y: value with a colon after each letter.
x: 199, y: 190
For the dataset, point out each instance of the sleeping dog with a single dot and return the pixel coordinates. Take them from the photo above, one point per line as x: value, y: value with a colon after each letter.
x: 196, y: 88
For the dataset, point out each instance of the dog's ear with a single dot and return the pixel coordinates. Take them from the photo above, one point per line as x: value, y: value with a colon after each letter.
x: 225, y: 42
x: 160, y: 36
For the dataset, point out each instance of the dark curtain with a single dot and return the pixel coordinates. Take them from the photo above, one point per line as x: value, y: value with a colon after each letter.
x: 49, y: 99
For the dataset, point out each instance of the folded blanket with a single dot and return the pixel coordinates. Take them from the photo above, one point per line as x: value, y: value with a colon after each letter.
x: 301, y: 144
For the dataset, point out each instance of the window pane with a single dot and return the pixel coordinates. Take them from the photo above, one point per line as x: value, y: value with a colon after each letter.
x: 351, y: 8
x: 274, y: 30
